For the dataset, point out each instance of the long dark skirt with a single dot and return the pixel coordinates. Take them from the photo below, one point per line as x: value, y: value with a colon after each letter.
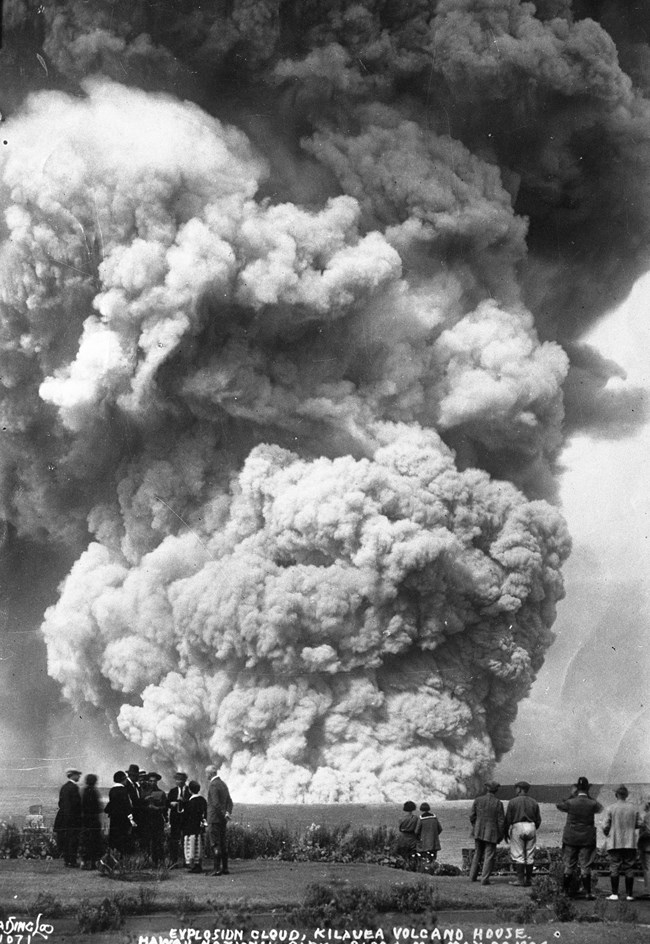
x: 91, y: 843
x: 119, y: 834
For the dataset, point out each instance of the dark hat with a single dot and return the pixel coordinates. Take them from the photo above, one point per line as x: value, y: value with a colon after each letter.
x: 119, y: 776
x: 71, y: 771
x: 523, y: 784
x: 425, y: 807
x: 180, y: 775
x: 409, y: 806
x: 492, y: 786
x: 154, y: 776
x: 194, y: 786
x: 582, y: 784
x: 622, y: 790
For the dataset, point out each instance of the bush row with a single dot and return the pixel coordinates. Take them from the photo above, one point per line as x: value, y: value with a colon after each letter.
x: 314, y: 844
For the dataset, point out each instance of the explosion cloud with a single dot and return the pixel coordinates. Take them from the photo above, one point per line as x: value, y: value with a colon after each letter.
x: 285, y: 340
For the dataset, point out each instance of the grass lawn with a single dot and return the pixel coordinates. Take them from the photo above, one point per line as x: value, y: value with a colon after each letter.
x: 261, y: 894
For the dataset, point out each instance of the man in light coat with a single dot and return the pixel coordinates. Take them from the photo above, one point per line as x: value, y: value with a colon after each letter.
x: 621, y: 823
x: 488, y: 828
x: 219, y: 810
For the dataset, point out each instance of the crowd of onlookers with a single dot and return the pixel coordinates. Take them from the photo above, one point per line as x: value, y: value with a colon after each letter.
x: 181, y: 825
x: 626, y: 828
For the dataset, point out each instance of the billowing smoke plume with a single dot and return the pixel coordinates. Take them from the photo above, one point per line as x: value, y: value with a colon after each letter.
x: 283, y: 357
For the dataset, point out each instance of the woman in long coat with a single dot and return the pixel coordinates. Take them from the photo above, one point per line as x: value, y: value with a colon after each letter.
x: 91, y: 842
x: 120, y: 814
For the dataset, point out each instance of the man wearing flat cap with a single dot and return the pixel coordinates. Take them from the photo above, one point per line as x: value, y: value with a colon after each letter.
x: 176, y: 800
x: 67, y: 824
x: 488, y: 826
x: 621, y: 822
x: 523, y: 819
x: 579, y: 836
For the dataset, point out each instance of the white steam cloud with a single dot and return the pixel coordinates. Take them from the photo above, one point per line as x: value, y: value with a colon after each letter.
x: 300, y: 420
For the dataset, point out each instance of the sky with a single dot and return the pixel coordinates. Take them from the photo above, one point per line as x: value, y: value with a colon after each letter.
x: 588, y: 712
x: 311, y: 321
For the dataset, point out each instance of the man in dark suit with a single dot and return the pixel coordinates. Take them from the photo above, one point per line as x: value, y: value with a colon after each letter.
x: 68, y: 818
x: 488, y: 828
x: 219, y: 810
x: 579, y: 837
x: 134, y: 791
x: 176, y: 799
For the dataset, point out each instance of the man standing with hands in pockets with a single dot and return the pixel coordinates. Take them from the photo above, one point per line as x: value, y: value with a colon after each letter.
x: 219, y: 810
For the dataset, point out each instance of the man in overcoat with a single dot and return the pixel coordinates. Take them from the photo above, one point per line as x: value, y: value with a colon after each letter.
x: 621, y: 823
x: 488, y: 828
x: 579, y: 836
x: 68, y: 818
x: 219, y: 810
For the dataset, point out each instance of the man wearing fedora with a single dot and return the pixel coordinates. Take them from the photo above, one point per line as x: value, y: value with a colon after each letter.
x: 155, y: 801
x: 488, y: 827
x: 579, y: 836
x: 523, y: 819
x: 67, y: 824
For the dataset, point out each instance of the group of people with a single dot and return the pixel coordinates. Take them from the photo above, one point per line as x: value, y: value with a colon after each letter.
x: 626, y: 828
x: 140, y: 815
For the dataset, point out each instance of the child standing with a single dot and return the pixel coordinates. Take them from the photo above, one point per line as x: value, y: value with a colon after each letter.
x: 193, y: 822
x: 427, y: 831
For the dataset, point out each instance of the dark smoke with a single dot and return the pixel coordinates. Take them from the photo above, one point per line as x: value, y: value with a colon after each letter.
x: 291, y: 337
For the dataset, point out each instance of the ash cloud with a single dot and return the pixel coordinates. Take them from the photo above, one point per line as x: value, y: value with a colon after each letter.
x: 286, y: 302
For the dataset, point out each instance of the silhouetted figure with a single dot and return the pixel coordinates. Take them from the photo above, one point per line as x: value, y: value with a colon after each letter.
x: 91, y: 843
x: 67, y: 824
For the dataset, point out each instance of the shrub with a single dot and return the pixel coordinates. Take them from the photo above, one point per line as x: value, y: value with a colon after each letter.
x: 132, y: 868
x: 38, y: 844
x: 47, y: 905
x: 235, y: 914
x: 522, y: 914
x: 340, y: 908
x: 106, y: 916
x: 186, y: 904
x: 11, y: 842
x: 259, y: 842
x: 411, y: 898
x: 563, y: 909
x: 344, y: 907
